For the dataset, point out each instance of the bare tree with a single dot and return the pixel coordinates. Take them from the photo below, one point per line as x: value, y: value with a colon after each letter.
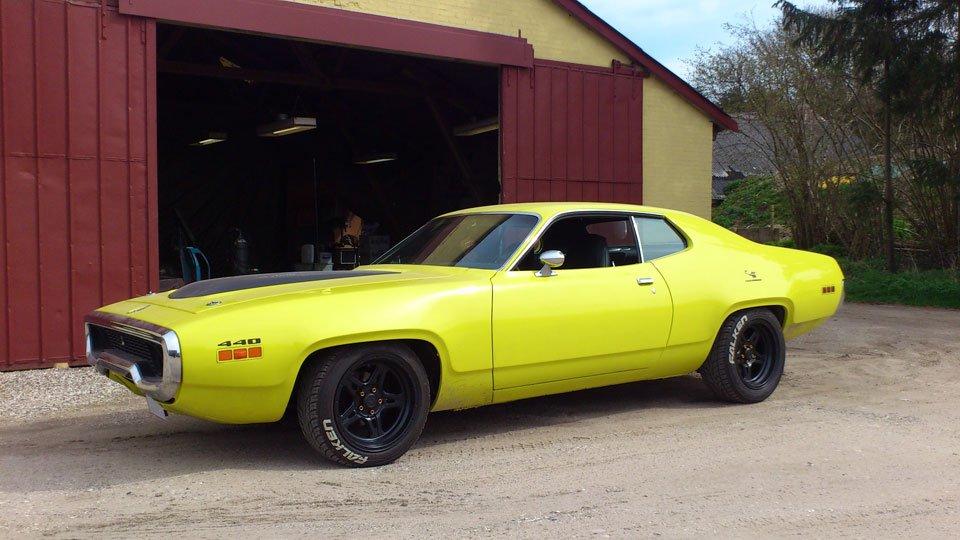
x: 801, y: 117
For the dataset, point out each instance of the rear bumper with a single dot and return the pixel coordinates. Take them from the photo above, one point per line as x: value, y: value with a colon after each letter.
x: 163, y: 388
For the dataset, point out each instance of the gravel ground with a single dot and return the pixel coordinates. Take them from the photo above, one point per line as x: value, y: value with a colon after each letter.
x: 862, y: 439
x: 35, y: 394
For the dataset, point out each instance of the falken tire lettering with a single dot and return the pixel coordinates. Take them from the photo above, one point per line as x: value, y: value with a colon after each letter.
x: 338, y: 446
x: 732, y: 350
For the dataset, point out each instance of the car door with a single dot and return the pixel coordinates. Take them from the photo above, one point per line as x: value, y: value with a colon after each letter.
x: 601, y: 312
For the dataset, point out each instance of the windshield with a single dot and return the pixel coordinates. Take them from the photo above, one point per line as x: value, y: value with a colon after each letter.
x: 471, y: 241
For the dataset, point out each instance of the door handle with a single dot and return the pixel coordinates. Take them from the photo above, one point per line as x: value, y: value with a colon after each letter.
x: 644, y: 281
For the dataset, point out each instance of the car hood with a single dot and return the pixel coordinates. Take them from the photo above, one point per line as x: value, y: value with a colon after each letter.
x: 214, y: 293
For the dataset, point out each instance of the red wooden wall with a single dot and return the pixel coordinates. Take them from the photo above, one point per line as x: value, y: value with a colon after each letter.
x: 78, y: 160
x: 571, y: 133
x: 77, y: 166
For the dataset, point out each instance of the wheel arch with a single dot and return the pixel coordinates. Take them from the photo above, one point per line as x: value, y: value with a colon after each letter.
x: 782, y: 309
x: 427, y: 346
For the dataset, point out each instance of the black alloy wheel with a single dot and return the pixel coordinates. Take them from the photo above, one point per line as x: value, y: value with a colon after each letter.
x: 374, y: 404
x: 747, y: 358
x: 754, y: 355
x: 363, y: 405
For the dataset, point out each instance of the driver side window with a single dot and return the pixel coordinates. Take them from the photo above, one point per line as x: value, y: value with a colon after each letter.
x: 586, y: 242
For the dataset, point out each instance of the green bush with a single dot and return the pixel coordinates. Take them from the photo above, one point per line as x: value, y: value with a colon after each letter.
x: 867, y: 281
x: 833, y: 250
x: 903, y: 231
x: 785, y: 243
x: 751, y: 202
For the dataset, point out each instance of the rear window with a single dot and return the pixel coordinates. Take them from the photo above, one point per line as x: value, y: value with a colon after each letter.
x: 658, y: 238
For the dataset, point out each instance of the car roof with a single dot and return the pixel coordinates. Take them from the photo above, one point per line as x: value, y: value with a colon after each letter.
x: 550, y: 209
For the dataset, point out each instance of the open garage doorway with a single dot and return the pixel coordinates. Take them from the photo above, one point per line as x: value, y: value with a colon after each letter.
x: 279, y: 155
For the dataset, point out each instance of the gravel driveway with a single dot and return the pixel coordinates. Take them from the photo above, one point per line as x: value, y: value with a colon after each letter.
x: 861, y: 439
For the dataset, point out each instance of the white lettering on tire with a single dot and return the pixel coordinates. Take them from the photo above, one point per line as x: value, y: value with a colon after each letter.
x: 732, y: 351
x: 338, y: 446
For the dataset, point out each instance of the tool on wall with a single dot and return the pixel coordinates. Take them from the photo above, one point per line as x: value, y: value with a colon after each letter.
x: 240, y: 254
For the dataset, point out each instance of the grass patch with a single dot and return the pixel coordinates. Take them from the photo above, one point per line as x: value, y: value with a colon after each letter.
x: 867, y: 281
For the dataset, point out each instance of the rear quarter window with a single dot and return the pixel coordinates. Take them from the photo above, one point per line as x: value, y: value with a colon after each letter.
x: 658, y: 238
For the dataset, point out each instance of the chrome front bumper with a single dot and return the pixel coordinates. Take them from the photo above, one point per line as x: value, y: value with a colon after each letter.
x: 107, y: 361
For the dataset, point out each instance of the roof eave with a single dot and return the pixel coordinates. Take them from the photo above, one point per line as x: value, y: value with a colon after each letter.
x: 720, y: 118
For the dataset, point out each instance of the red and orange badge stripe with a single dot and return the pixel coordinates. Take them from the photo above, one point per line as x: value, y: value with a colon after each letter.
x: 242, y: 353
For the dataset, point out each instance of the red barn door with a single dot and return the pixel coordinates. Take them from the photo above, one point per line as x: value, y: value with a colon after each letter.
x: 571, y: 133
x: 77, y: 171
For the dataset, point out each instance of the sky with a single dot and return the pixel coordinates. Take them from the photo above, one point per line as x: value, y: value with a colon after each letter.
x: 672, y: 30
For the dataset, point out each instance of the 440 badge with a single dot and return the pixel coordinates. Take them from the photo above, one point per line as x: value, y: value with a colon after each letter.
x: 239, y: 349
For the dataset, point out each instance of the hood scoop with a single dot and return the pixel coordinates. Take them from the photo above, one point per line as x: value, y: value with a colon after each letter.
x: 253, y: 281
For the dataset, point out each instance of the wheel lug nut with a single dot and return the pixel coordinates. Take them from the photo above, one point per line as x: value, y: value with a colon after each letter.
x: 379, y: 401
x: 361, y: 393
x: 373, y: 391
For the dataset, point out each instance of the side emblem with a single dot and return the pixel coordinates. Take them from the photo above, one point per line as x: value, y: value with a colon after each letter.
x: 239, y: 349
x: 137, y: 309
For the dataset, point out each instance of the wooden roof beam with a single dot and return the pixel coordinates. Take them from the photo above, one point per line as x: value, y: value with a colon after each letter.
x: 279, y: 77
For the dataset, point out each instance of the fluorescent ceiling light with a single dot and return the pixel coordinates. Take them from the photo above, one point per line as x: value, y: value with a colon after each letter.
x: 370, y: 159
x: 212, y: 137
x: 287, y: 125
x: 227, y: 63
x: 476, y: 128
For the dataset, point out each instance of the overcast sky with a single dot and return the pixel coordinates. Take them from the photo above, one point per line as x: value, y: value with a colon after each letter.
x: 671, y: 30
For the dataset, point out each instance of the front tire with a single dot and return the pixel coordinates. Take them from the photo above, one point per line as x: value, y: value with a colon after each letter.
x: 747, y: 359
x: 364, y: 406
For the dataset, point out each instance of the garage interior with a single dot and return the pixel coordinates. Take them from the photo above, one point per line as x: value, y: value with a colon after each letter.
x: 279, y: 155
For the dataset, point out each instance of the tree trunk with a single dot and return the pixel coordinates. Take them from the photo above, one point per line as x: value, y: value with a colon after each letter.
x: 888, y: 172
x: 956, y: 211
x: 955, y: 169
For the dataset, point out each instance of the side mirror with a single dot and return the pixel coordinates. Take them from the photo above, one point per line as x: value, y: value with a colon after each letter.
x: 551, y: 259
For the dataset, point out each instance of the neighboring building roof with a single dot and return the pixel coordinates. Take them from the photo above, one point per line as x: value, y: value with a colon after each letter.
x: 718, y: 185
x: 631, y: 49
x: 739, y: 152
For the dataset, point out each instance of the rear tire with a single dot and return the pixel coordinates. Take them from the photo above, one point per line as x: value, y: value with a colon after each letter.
x: 364, y: 406
x: 747, y: 359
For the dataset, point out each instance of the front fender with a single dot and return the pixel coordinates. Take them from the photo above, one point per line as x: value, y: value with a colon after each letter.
x: 457, y: 389
x: 276, y: 334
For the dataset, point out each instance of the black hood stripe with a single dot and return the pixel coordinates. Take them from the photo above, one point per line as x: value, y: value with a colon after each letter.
x: 253, y: 281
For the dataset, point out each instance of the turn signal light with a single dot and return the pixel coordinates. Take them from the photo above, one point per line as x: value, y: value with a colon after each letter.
x: 225, y: 355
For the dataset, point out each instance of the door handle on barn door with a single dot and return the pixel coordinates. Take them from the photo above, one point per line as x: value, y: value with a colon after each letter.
x: 644, y: 281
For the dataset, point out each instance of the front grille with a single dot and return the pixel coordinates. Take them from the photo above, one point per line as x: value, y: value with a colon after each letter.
x: 148, y: 354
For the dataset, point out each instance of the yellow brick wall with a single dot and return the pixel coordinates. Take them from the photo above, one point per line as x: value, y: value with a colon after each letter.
x: 677, y: 151
x: 553, y: 32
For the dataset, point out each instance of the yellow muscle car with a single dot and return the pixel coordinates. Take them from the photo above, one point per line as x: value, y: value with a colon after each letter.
x: 478, y: 306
